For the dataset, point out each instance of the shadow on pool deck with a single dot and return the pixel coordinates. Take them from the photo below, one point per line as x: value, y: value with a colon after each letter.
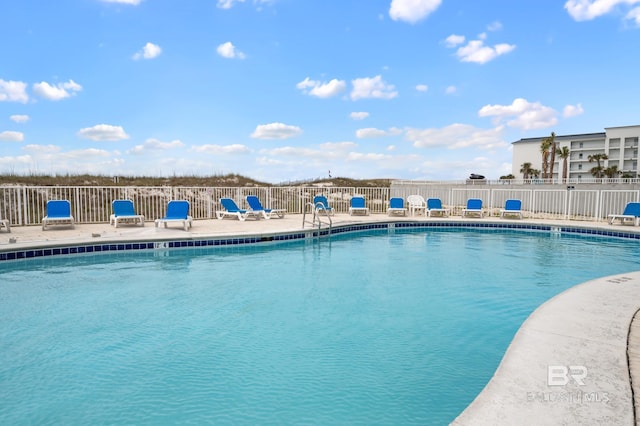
x: 576, y: 360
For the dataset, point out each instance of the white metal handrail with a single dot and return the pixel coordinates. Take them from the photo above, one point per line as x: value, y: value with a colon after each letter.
x: 315, y: 208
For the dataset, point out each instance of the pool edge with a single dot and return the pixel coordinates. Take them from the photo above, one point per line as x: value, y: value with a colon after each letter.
x: 568, y: 362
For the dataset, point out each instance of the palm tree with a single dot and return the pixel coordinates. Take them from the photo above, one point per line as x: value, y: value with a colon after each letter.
x: 612, y: 172
x: 564, y: 154
x: 525, y: 169
x: 551, y: 140
x: 597, y: 171
x: 544, y: 149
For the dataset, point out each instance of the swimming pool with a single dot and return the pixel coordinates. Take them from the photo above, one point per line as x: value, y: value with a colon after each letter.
x: 401, y: 327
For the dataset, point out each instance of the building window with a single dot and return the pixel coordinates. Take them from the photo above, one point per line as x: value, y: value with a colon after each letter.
x: 581, y: 145
x: 579, y: 166
x: 580, y: 155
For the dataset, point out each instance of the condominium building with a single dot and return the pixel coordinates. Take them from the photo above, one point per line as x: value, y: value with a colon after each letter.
x: 620, y: 144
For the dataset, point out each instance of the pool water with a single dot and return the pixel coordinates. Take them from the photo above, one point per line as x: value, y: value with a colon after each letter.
x: 377, y: 327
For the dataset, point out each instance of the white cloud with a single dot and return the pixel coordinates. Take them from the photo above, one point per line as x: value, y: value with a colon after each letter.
x: 454, y: 40
x: 228, y: 4
x: 221, y: 149
x: 527, y: 115
x: 422, y: 87
x: 322, y: 90
x: 103, y: 132
x: 19, y: 118
x: 131, y: 2
x: 42, y: 149
x: 22, y: 160
x: 338, y: 146
x: 572, y: 110
x: 297, y: 152
x: 229, y: 51
x: 451, y: 90
x: 10, y: 136
x: 457, y: 136
x: 83, y: 154
x: 476, y: 51
x: 13, y: 91
x: 412, y: 11
x: 365, y: 88
x: 149, y: 51
x: 155, y: 145
x: 328, y: 154
x: 366, y: 156
x: 634, y: 15
x: 494, y: 26
x: 372, y: 132
x: 276, y: 131
x: 359, y: 115
x: 56, y: 92
x: 585, y: 10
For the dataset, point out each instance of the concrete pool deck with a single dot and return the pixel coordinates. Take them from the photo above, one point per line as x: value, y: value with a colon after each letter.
x: 575, y: 360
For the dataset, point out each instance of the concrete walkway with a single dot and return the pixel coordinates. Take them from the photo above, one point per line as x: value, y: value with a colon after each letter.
x: 568, y: 362
x: 572, y: 362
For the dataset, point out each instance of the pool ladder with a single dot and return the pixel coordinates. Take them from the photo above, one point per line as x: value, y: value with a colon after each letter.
x: 316, y: 220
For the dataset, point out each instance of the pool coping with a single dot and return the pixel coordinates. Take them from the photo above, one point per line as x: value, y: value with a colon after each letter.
x: 593, y: 318
x: 37, y: 249
x: 569, y: 363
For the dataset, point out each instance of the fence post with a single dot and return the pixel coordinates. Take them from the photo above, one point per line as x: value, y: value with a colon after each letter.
x: 22, y: 195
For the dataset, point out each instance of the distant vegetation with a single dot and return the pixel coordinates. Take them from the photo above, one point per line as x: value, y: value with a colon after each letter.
x: 229, y: 180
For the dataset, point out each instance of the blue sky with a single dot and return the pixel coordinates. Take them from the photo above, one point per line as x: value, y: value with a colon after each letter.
x: 284, y: 90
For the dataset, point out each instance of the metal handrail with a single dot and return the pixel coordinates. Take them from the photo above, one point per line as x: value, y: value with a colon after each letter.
x: 304, y: 215
x: 315, y: 208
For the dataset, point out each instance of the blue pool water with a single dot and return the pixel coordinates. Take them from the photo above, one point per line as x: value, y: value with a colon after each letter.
x: 368, y: 328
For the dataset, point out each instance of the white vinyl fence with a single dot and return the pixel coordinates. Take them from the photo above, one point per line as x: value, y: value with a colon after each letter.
x: 25, y: 205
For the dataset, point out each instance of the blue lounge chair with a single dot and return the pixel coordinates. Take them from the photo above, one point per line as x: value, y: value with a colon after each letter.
x: 474, y: 207
x: 58, y: 213
x: 396, y: 207
x: 512, y: 208
x: 321, y: 204
x: 231, y: 209
x: 177, y: 212
x: 631, y: 213
x: 434, y: 207
x: 358, y: 205
x: 256, y: 206
x: 123, y: 211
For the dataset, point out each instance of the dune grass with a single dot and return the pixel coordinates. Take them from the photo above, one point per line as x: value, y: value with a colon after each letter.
x: 228, y: 180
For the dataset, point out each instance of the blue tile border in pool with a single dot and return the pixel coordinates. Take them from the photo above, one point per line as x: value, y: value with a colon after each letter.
x: 308, y: 234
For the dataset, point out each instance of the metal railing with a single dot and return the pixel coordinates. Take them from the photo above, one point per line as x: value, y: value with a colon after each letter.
x: 25, y: 205
x: 533, y: 181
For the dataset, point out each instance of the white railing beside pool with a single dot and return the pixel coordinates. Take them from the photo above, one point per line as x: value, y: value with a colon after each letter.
x: 25, y: 205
